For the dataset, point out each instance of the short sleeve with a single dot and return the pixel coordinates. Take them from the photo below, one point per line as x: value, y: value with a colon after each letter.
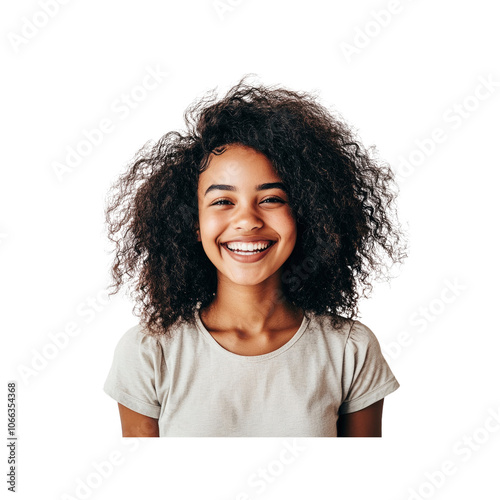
x: 135, y: 372
x: 367, y: 377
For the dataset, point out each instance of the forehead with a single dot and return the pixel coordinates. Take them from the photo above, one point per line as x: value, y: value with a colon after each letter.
x: 237, y: 164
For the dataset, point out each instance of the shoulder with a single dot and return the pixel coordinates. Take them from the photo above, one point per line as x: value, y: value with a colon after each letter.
x: 349, y: 335
x: 139, y: 338
x: 337, y: 331
x: 361, y: 335
x: 362, y: 348
x: 135, y: 339
x: 136, y: 334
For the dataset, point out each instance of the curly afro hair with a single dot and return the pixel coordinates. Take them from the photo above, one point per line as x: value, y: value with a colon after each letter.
x: 340, y: 194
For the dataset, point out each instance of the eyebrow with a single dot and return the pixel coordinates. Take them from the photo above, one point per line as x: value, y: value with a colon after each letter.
x: 260, y: 187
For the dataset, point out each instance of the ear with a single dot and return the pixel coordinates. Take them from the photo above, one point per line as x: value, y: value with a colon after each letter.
x: 198, y: 238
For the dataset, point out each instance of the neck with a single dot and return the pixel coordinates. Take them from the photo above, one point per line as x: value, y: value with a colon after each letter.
x: 250, y: 310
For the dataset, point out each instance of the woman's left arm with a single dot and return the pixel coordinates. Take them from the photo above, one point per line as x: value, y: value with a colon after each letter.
x: 363, y: 423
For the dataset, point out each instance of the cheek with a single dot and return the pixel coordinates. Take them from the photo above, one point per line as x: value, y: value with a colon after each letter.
x: 289, y: 225
x: 211, y: 225
x: 293, y: 232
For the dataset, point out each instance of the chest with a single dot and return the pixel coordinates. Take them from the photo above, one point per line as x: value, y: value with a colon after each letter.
x: 253, y: 347
x: 291, y: 395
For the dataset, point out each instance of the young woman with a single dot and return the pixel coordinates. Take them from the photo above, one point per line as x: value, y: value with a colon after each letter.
x: 248, y: 240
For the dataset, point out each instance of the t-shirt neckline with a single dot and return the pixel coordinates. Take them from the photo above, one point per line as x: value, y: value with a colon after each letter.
x: 260, y: 357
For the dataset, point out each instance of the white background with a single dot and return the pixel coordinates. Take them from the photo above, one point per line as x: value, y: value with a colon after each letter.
x: 405, y: 74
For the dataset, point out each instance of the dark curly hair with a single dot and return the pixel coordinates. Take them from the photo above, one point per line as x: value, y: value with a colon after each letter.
x: 339, y: 192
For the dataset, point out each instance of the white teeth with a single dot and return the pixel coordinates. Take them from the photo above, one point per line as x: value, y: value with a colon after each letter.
x: 249, y: 247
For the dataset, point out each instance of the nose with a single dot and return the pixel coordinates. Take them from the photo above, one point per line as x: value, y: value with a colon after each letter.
x: 246, y: 218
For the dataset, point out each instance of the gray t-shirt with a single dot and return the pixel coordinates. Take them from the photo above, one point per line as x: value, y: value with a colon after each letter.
x: 195, y: 387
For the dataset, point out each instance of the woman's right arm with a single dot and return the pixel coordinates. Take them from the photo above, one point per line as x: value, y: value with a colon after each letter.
x: 137, y: 425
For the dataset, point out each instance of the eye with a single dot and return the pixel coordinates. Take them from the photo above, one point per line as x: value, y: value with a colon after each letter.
x: 218, y: 202
x: 272, y: 200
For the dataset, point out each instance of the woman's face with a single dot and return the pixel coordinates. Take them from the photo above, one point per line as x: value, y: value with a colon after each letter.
x: 233, y: 205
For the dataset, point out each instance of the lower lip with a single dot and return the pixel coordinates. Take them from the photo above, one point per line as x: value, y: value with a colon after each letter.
x: 248, y: 258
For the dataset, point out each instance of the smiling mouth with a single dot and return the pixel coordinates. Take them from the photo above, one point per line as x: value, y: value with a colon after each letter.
x: 249, y: 252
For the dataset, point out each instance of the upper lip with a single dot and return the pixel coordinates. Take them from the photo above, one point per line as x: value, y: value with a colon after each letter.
x: 248, y: 240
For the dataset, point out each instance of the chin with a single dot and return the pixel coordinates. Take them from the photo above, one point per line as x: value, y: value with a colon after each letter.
x: 248, y: 278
